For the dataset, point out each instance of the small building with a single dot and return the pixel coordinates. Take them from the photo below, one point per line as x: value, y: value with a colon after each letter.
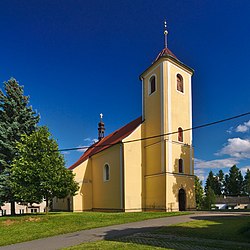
x: 148, y: 163
x: 21, y: 208
x: 232, y: 202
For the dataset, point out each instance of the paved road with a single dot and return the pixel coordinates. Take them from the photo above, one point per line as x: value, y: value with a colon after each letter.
x: 71, y: 239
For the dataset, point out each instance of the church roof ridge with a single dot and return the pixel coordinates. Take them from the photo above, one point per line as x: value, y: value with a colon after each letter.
x: 108, y: 141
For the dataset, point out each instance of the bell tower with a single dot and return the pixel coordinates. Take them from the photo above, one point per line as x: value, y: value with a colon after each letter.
x: 167, y: 112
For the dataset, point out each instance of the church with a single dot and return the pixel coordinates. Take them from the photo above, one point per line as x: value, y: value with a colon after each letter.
x: 147, y: 165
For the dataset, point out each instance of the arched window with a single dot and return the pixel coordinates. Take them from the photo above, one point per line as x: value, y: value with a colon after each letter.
x: 106, y: 172
x: 152, y: 85
x: 180, y: 134
x: 179, y: 80
x: 180, y: 165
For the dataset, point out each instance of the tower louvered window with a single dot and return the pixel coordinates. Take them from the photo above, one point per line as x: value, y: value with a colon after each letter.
x: 152, y: 85
x: 179, y: 79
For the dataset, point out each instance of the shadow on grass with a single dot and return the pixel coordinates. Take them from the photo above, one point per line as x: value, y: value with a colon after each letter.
x: 215, y: 230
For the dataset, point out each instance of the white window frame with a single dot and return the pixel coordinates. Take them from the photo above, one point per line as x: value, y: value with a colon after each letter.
x: 104, y: 172
x: 182, y: 166
x: 182, y: 83
x: 149, y: 85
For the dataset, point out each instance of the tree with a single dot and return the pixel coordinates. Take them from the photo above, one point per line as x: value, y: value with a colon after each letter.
x: 198, y: 192
x: 216, y: 182
x: 234, y: 181
x: 16, y: 118
x: 246, y: 183
x: 220, y: 179
x: 226, y: 188
x: 209, y: 199
x: 38, y: 172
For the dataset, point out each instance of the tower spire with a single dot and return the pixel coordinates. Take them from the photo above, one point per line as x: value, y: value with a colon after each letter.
x: 101, y: 128
x: 165, y: 34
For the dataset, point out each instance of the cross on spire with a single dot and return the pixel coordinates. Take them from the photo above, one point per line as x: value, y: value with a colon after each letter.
x: 165, y: 34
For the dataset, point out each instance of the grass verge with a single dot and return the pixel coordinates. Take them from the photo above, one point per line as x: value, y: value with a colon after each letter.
x: 29, y: 227
x: 233, y: 228
x: 104, y: 245
x: 230, y: 232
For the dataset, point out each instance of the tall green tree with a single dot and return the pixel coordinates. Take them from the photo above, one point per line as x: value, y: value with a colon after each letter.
x: 234, y: 181
x: 209, y: 199
x: 220, y: 181
x: 16, y: 118
x: 198, y: 192
x: 213, y: 182
x: 246, y: 183
x: 38, y: 172
x: 226, y: 188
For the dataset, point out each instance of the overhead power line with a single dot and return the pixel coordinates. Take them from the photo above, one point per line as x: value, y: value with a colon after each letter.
x: 160, y: 135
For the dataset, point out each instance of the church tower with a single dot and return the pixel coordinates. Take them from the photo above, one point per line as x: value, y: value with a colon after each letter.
x: 167, y: 160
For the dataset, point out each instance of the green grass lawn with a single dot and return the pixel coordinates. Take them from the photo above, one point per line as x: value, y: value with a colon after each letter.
x: 230, y: 231
x: 29, y: 227
x: 234, y: 228
x: 104, y: 245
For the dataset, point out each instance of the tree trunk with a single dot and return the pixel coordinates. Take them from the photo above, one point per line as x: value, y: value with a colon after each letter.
x: 12, y: 208
x: 47, y: 205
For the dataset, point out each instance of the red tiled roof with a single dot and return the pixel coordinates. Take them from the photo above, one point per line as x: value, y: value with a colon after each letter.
x: 165, y: 52
x: 108, y: 141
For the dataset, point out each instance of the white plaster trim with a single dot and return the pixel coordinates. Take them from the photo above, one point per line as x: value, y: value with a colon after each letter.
x: 179, y: 69
x: 149, y: 85
x: 191, y: 124
x: 104, y: 172
x: 143, y: 114
x: 162, y: 116
x: 170, y: 161
x: 183, y: 167
x: 150, y: 72
x: 121, y: 176
x: 183, y: 82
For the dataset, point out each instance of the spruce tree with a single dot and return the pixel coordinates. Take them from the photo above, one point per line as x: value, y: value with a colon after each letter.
x: 16, y: 118
x: 213, y: 181
x: 235, y: 181
x: 246, y: 183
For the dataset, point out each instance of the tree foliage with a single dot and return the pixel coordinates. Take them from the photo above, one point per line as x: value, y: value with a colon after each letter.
x: 38, y: 172
x: 234, y: 181
x: 198, y: 192
x: 213, y: 182
x: 246, y: 183
x: 16, y: 118
x: 209, y: 199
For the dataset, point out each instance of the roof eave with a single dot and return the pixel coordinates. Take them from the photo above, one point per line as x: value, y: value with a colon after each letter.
x: 171, y: 58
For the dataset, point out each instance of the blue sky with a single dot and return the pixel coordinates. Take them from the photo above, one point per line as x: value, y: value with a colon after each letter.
x: 77, y: 59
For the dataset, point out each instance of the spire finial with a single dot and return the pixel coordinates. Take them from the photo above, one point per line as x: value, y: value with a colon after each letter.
x: 165, y: 34
x: 101, y: 128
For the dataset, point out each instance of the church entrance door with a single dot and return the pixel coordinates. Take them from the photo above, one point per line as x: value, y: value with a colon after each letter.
x: 182, y: 200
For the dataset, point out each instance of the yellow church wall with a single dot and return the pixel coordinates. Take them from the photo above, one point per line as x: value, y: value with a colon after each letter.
x: 152, y: 124
x: 153, y: 159
x: 107, y: 194
x: 181, y: 151
x: 175, y: 182
x: 180, y: 108
x: 83, y: 175
x: 133, y: 172
x: 152, y: 106
x: 155, y: 192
